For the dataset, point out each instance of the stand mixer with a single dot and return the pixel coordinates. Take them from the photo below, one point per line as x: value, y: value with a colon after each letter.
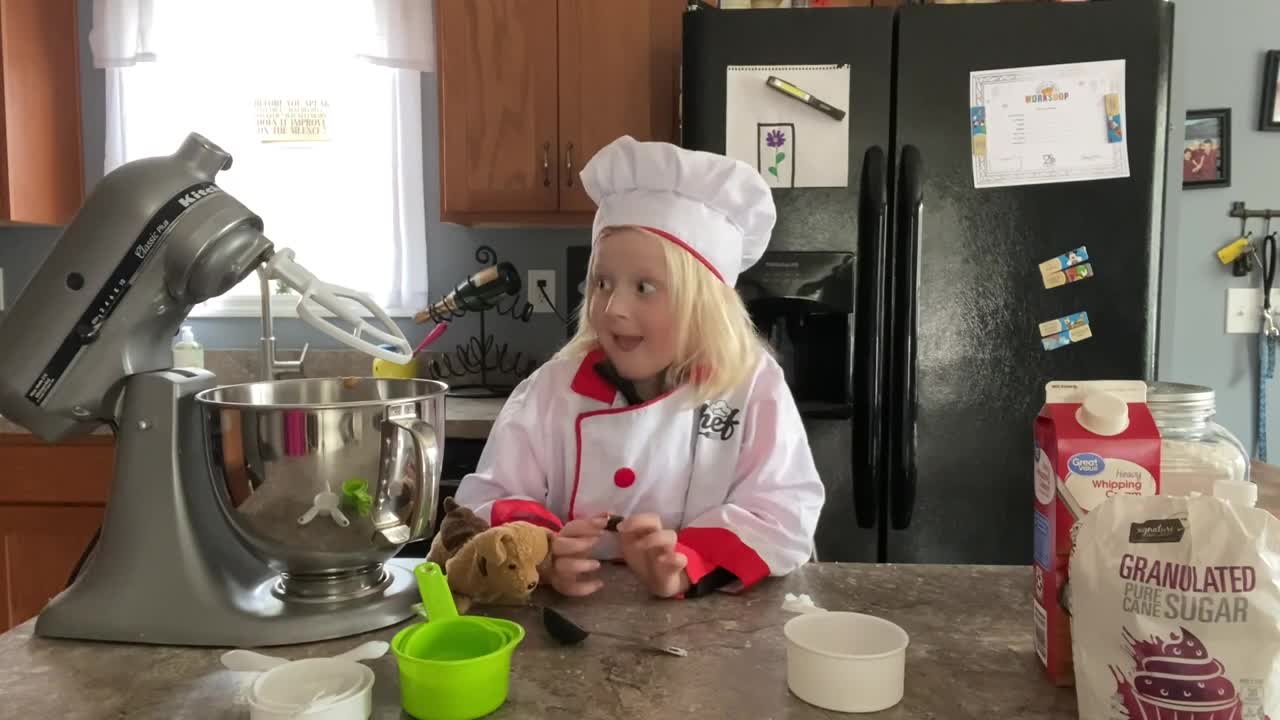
x: 244, y: 515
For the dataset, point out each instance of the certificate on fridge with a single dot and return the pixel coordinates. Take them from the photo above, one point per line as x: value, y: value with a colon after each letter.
x: 1048, y: 124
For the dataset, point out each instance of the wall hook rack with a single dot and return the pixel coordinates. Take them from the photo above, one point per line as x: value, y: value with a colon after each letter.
x: 1239, y: 210
x: 1244, y: 265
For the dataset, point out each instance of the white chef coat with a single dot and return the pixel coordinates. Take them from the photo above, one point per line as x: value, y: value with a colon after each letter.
x: 734, y: 477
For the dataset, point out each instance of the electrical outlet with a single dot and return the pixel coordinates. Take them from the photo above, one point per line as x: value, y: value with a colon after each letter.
x: 548, y: 278
x: 1244, y: 310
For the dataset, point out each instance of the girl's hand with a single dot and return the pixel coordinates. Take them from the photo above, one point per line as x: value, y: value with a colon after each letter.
x: 650, y: 552
x: 571, y: 561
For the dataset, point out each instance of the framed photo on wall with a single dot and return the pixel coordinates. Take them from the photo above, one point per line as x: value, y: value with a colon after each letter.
x: 1270, y: 116
x: 1206, y: 149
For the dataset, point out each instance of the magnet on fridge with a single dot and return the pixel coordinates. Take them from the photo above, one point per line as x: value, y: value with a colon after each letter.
x: 1053, y: 342
x: 1070, y: 275
x: 1080, y: 333
x: 1064, y: 324
x: 1064, y: 261
x: 1115, y: 129
x: 978, y: 131
x: 1076, y: 334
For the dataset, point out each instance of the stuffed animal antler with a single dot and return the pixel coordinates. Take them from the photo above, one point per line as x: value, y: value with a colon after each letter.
x: 459, y: 525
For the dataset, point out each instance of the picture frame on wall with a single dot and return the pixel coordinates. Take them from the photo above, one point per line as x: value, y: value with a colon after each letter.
x: 1206, y: 149
x: 1269, y: 117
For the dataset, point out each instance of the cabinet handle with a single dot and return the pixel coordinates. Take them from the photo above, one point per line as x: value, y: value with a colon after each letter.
x: 568, y: 165
x: 546, y: 165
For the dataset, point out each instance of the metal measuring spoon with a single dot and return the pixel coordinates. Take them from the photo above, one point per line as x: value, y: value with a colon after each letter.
x: 567, y: 632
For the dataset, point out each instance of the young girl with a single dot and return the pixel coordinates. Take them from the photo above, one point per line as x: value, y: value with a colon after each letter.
x: 665, y: 408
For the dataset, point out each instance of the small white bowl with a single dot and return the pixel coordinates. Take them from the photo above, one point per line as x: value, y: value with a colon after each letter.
x: 344, y: 687
x: 846, y: 662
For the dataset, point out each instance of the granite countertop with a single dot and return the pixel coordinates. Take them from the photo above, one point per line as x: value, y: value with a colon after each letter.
x: 970, y: 656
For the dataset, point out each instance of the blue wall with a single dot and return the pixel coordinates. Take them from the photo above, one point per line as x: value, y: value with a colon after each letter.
x: 1218, y: 55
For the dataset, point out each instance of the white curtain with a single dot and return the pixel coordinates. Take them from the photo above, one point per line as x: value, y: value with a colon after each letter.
x: 400, y: 34
x: 351, y: 204
x: 121, y: 34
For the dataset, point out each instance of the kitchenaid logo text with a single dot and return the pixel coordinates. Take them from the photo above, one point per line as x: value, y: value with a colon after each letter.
x: 187, y: 200
x: 717, y: 420
x: 1188, y: 593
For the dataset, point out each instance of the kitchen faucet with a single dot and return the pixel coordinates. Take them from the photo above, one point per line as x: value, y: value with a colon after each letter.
x: 271, y: 367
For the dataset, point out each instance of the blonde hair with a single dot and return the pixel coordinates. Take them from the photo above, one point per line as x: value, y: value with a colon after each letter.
x: 717, y: 346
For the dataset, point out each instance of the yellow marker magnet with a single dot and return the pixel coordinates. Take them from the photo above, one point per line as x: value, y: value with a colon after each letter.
x: 796, y: 93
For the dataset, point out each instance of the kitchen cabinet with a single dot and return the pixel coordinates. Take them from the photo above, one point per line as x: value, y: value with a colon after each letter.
x: 529, y: 90
x: 51, y: 503
x: 41, y: 165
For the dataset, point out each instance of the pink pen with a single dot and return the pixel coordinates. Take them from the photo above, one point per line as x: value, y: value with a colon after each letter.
x: 432, y: 336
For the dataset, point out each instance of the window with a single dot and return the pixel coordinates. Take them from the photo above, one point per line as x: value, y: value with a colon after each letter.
x: 326, y: 138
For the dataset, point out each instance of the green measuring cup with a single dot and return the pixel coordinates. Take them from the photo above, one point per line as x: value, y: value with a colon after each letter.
x: 453, y: 667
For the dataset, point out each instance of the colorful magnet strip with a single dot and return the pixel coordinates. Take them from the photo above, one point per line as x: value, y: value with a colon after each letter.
x: 1063, y: 324
x: 1074, y: 335
x: 1115, y: 129
x: 1064, y: 261
x: 1070, y: 275
x: 978, y: 131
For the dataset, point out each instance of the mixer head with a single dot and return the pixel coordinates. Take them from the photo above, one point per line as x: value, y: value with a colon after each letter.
x: 154, y: 238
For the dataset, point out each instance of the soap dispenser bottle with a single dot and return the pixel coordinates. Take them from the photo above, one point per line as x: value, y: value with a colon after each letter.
x: 186, y: 351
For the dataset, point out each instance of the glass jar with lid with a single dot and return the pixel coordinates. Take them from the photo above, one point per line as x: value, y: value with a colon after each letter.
x: 1195, y: 451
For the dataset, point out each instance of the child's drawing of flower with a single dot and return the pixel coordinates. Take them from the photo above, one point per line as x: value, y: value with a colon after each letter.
x: 776, y: 139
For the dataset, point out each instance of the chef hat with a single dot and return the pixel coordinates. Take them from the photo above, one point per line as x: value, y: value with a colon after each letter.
x: 717, y: 208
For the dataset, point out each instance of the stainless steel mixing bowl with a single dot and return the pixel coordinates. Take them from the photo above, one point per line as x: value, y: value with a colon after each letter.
x: 326, y: 479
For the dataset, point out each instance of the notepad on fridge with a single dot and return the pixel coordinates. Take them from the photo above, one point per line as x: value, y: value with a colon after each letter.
x: 791, y: 143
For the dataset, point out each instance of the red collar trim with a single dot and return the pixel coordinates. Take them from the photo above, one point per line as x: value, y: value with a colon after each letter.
x: 688, y: 248
x: 588, y: 383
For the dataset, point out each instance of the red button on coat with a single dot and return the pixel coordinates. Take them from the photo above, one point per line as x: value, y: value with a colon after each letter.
x: 624, y: 478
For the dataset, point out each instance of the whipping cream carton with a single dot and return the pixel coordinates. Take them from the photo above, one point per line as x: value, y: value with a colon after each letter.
x: 1093, y: 440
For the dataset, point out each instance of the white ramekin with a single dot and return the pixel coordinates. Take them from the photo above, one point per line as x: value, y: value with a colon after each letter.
x: 846, y: 662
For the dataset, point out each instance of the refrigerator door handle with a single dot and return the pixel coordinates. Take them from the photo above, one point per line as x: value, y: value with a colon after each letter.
x: 868, y: 364
x: 909, y: 226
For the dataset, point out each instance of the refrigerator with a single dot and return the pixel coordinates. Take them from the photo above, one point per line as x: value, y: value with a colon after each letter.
x: 949, y: 365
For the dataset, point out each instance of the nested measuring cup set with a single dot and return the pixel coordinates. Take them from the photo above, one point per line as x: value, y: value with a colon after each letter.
x: 454, y: 667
